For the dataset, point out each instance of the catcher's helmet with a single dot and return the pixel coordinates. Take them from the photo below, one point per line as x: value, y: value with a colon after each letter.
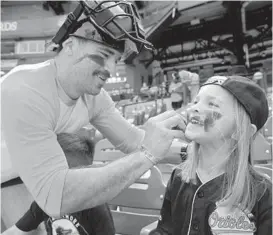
x: 112, y: 23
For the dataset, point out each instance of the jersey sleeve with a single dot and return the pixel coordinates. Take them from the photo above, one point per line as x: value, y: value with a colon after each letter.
x: 114, y: 126
x: 264, y: 220
x: 27, y: 125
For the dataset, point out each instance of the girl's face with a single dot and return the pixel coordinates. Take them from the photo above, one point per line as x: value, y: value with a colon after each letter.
x: 211, y: 117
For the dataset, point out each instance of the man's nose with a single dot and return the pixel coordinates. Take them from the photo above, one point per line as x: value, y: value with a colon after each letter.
x: 110, y: 65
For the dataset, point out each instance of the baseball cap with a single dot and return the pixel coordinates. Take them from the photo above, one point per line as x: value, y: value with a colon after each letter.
x: 248, y: 94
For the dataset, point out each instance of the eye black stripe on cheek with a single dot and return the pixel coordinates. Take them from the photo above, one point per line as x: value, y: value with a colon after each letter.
x: 97, y: 59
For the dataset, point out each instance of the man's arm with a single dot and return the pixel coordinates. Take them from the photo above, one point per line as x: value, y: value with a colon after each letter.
x: 119, y: 131
x: 42, y: 166
x: 114, y: 126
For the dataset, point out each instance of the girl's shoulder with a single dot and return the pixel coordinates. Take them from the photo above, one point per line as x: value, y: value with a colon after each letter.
x: 263, y: 184
x: 178, y: 178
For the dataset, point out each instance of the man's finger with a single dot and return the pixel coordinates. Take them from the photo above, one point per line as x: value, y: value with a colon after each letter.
x: 172, y: 121
x: 177, y: 134
x: 181, y: 126
x: 163, y: 116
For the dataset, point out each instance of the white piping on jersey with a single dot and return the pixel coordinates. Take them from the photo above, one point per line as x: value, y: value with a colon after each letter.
x: 192, y: 208
x: 195, y: 196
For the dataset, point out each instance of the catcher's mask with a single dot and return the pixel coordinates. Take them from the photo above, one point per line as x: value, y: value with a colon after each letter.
x: 115, y: 24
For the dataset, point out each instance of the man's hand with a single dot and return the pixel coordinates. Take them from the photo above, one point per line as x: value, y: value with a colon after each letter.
x: 159, y: 134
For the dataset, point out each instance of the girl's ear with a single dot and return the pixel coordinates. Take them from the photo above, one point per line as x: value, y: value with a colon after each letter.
x: 253, y: 129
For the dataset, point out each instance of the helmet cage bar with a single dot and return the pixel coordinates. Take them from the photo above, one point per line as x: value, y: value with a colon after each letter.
x: 71, y: 25
x: 125, y: 33
x: 133, y: 14
x: 95, y: 10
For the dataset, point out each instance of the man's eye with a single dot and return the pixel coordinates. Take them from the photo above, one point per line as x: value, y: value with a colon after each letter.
x: 213, y: 104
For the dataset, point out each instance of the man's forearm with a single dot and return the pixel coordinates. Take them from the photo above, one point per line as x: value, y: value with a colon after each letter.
x: 135, y: 136
x: 90, y: 187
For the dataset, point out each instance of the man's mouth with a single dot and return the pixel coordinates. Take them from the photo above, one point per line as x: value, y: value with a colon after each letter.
x: 103, y: 78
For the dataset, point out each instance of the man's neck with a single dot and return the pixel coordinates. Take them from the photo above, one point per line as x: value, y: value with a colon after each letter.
x: 65, y: 79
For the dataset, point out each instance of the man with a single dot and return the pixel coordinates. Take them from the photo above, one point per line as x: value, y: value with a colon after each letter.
x: 65, y: 94
x: 191, y: 83
x: 176, y: 91
x: 79, y: 152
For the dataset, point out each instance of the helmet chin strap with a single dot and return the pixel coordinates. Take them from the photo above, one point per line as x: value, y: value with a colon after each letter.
x: 68, y: 27
x: 130, y: 51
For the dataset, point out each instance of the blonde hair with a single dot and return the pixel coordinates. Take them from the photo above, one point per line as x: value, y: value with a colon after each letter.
x: 241, y: 180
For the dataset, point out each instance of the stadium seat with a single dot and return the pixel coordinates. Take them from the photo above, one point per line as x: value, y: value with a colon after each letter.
x: 145, y: 195
x: 105, y: 152
x: 163, y: 108
x: 264, y: 170
x: 153, y: 112
x: 262, y: 150
x: 268, y: 128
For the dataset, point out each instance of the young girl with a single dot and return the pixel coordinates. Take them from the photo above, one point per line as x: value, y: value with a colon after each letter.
x: 216, y: 190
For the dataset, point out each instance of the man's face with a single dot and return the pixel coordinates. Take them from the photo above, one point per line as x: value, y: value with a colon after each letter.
x: 93, y: 65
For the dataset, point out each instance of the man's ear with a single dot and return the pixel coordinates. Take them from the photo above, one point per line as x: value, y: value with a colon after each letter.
x: 253, y: 129
x: 68, y: 45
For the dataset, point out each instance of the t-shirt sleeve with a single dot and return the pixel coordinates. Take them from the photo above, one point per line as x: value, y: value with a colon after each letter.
x: 27, y: 124
x: 114, y: 126
x: 32, y: 218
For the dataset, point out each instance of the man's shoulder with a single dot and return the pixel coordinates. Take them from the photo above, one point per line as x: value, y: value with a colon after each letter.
x: 264, y: 189
x: 27, y: 80
x: 29, y: 74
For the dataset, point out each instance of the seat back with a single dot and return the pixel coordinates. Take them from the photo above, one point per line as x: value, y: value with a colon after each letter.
x: 105, y: 152
x: 146, y: 193
x: 264, y: 170
x: 137, y: 203
x: 152, y: 113
x: 129, y: 223
x: 268, y: 127
x: 262, y: 150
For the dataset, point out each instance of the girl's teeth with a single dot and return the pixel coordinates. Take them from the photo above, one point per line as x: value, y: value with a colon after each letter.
x: 195, y: 122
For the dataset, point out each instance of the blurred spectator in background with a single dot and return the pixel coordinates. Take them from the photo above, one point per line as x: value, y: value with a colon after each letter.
x: 176, y: 91
x: 191, y: 84
x: 144, y: 90
x: 258, y: 78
